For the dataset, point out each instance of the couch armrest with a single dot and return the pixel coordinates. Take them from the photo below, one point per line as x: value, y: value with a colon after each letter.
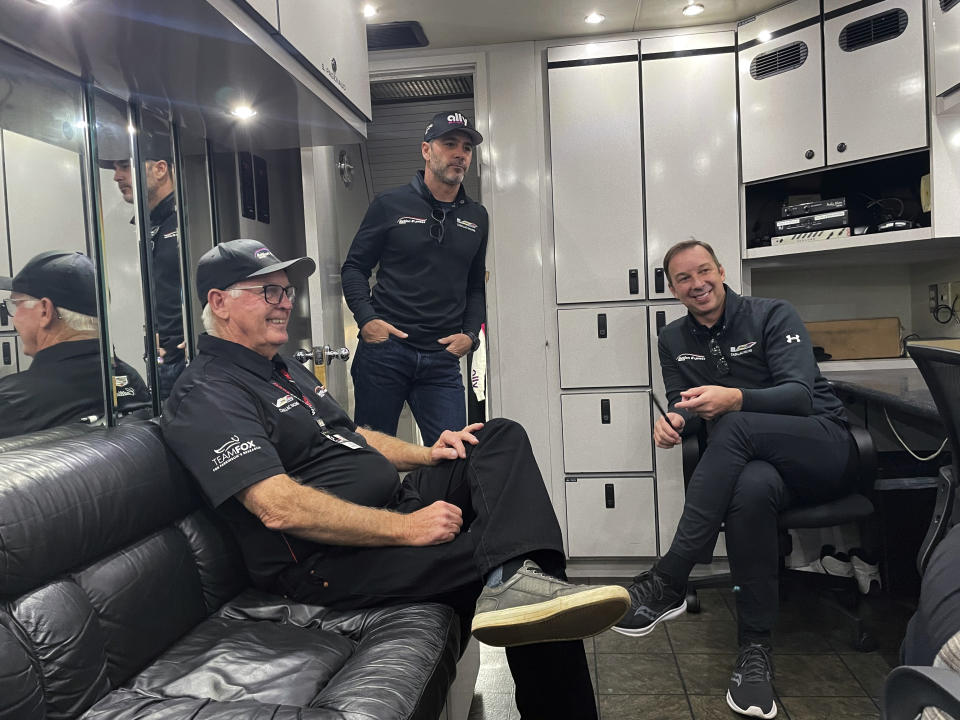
x: 133, y: 705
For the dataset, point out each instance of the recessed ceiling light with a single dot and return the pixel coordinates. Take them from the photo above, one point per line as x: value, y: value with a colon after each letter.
x: 764, y: 35
x: 594, y: 18
x: 243, y: 112
x: 369, y: 11
x: 55, y: 3
x: 693, y: 8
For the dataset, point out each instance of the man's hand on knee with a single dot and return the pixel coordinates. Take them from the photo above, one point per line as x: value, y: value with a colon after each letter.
x: 435, y: 524
x: 449, y: 446
x: 711, y: 401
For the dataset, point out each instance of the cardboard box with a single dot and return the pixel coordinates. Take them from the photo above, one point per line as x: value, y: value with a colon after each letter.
x: 857, y: 339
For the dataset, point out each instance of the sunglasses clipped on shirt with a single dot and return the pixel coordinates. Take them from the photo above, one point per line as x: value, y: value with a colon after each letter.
x: 719, y: 361
x: 272, y: 294
x: 437, y: 228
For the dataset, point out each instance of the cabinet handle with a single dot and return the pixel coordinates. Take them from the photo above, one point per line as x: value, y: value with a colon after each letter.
x: 841, y: 147
x: 4, y: 315
x: 601, y: 325
x: 604, y: 412
x: 608, y: 495
x: 634, y: 281
x: 658, y: 280
x: 7, y: 359
x: 809, y: 154
x: 661, y: 320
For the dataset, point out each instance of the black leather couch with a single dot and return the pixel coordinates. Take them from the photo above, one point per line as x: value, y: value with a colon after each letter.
x: 122, y: 596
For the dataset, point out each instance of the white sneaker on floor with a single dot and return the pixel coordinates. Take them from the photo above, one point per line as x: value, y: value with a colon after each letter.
x: 838, y: 565
x: 867, y: 575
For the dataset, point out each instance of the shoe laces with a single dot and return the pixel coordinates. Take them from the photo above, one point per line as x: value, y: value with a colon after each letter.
x: 755, y: 663
x: 646, y: 587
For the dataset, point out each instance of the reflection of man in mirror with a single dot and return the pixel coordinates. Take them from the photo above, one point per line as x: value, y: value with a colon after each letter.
x: 53, y: 304
x: 165, y: 281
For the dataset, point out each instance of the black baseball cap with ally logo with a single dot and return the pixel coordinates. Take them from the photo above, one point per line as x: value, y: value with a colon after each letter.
x: 230, y: 262
x: 450, y: 121
x: 68, y: 279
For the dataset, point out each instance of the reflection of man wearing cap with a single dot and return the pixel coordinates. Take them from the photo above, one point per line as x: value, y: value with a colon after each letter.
x: 320, y: 512
x: 54, y: 310
x: 429, y: 240
x: 165, y: 280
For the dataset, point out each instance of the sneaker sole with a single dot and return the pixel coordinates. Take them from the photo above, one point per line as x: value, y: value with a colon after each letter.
x: 753, y: 710
x: 570, y: 617
x: 640, y: 632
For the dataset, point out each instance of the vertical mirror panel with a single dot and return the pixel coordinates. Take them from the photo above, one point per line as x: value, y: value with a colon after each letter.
x: 51, y: 372
x: 118, y: 185
x: 158, y: 193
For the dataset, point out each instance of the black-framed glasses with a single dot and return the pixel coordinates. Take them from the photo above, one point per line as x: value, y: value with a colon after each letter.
x: 437, y: 228
x: 719, y: 361
x: 273, y: 294
x: 10, y: 304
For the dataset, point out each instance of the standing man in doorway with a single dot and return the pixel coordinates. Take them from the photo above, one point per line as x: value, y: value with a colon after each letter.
x: 428, y: 241
x: 778, y: 436
x: 164, y: 247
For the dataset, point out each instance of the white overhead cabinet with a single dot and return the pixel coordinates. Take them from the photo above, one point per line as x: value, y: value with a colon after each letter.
x: 946, y: 44
x: 781, y: 91
x: 875, y: 78
x: 596, y: 159
x: 690, y: 138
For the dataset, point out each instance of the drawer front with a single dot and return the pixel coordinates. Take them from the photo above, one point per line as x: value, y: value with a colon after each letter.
x: 606, y: 432
x: 603, y: 347
x: 611, y: 517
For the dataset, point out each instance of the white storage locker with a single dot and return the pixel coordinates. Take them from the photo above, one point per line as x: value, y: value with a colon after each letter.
x: 946, y: 45
x: 603, y: 347
x: 596, y: 166
x: 611, y: 517
x: 606, y: 432
x: 781, y: 91
x: 875, y: 78
x: 691, y: 179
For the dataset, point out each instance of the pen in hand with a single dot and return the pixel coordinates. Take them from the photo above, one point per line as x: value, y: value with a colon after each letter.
x: 663, y: 413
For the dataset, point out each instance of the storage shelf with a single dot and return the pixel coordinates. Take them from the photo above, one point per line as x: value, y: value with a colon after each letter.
x: 837, y: 244
x: 833, y: 367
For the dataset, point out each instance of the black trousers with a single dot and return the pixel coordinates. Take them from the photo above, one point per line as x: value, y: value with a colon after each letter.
x: 754, y: 466
x: 938, y: 614
x: 507, y: 514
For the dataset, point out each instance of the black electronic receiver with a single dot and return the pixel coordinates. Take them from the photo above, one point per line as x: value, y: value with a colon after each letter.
x: 823, y: 221
x: 813, y: 208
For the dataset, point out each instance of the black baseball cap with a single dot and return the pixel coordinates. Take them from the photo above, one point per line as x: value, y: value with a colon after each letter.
x: 67, y: 278
x: 236, y: 260
x: 449, y: 121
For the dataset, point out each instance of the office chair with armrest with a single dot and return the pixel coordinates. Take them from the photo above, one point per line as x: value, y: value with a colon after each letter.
x: 853, y: 507
x: 940, y: 367
x: 909, y: 689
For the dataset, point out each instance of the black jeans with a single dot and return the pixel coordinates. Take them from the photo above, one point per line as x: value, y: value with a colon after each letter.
x: 507, y: 514
x: 755, y: 465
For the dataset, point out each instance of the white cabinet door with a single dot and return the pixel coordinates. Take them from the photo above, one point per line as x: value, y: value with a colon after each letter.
x: 946, y: 44
x: 606, y: 432
x: 595, y: 155
x: 332, y: 36
x: 690, y: 138
x: 267, y: 9
x: 875, y: 79
x: 610, y: 517
x: 781, y: 92
x: 603, y: 347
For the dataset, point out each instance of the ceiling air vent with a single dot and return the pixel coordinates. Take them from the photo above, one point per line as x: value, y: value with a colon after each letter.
x: 788, y: 57
x: 872, y: 30
x: 385, y: 92
x: 948, y: 4
x: 395, y: 36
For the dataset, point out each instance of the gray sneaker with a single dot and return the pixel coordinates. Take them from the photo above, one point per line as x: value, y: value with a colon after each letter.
x: 533, y: 607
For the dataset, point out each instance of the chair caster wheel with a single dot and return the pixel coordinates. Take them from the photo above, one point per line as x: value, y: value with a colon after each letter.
x: 693, y: 602
x: 864, y: 643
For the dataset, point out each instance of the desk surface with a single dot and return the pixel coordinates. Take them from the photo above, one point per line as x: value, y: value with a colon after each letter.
x: 902, y: 389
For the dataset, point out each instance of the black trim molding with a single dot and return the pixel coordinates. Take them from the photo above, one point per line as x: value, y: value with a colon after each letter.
x: 785, y: 31
x: 688, y: 53
x: 592, y: 61
x: 850, y: 8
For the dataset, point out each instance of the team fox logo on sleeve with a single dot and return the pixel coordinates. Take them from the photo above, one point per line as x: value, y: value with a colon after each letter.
x: 231, y: 450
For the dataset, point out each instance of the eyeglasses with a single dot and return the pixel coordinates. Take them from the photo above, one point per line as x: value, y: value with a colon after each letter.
x: 11, y: 304
x: 719, y: 361
x: 272, y: 294
x: 436, y: 230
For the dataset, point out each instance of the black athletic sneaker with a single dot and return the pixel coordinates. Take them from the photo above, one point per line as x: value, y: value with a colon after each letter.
x: 652, y: 601
x: 751, y: 686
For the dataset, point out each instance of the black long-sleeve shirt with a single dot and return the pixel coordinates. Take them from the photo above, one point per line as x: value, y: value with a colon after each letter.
x: 425, y: 288
x: 768, y: 353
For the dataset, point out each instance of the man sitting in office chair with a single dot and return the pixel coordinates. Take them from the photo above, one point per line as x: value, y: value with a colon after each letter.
x: 778, y: 436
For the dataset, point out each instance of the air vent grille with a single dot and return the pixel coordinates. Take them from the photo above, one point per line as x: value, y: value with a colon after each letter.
x: 948, y: 4
x: 420, y: 89
x: 788, y: 57
x: 396, y: 36
x: 872, y: 30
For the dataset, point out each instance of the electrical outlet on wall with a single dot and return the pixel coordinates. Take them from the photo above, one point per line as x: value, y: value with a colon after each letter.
x: 943, y: 293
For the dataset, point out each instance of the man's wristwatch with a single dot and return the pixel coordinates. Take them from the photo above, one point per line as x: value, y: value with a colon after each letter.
x: 474, y: 339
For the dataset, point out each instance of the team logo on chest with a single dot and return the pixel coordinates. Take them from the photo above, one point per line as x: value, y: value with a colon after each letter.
x: 683, y: 357
x: 407, y: 220
x: 472, y: 227
x: 742, y: 349
x: 287, y: 402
